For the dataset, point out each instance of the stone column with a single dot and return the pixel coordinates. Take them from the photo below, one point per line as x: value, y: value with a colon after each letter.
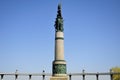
x: 59, y: 64
x: 59, y: 45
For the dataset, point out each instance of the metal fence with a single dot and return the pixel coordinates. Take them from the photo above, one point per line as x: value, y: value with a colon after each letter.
x: 46, y: 76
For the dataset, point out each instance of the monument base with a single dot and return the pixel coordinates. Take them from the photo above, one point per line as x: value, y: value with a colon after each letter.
x: 59, y: 78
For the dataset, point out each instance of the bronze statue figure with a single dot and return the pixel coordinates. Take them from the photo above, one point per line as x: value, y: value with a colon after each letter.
x: 59, y: 20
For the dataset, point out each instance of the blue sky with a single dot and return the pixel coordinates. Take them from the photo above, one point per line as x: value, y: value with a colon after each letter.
x: 91, y: 30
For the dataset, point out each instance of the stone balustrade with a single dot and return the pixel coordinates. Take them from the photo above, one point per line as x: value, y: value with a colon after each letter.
x: 70, y: 75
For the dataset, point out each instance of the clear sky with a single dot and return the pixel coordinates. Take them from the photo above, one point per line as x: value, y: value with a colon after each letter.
x: 91, y: 30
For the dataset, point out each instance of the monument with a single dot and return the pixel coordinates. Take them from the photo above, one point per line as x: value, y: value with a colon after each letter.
x: 59, y: 64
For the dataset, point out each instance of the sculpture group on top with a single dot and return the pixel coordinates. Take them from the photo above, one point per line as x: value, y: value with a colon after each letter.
x: 59, y: 20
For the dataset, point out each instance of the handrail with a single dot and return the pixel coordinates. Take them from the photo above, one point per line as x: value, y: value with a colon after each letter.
x: 49, y: 74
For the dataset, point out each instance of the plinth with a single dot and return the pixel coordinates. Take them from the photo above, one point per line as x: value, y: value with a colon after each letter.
x: 59, y: 78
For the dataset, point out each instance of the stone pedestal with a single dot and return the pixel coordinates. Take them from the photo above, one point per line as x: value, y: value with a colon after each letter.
x: 59, y: 68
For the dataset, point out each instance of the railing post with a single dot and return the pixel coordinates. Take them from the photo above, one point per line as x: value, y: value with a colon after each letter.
x: 70, y: 77
x: 30, y: 77
x: 43, y: 75
x: 97, y: 76
x: 83, y: 74
x: 111, y: 75
x: 16, y: 76
x: 2, y: 75
x: 83, y: 77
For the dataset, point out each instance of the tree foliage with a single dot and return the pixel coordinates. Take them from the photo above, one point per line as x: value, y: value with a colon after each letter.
x: 116, y: 70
